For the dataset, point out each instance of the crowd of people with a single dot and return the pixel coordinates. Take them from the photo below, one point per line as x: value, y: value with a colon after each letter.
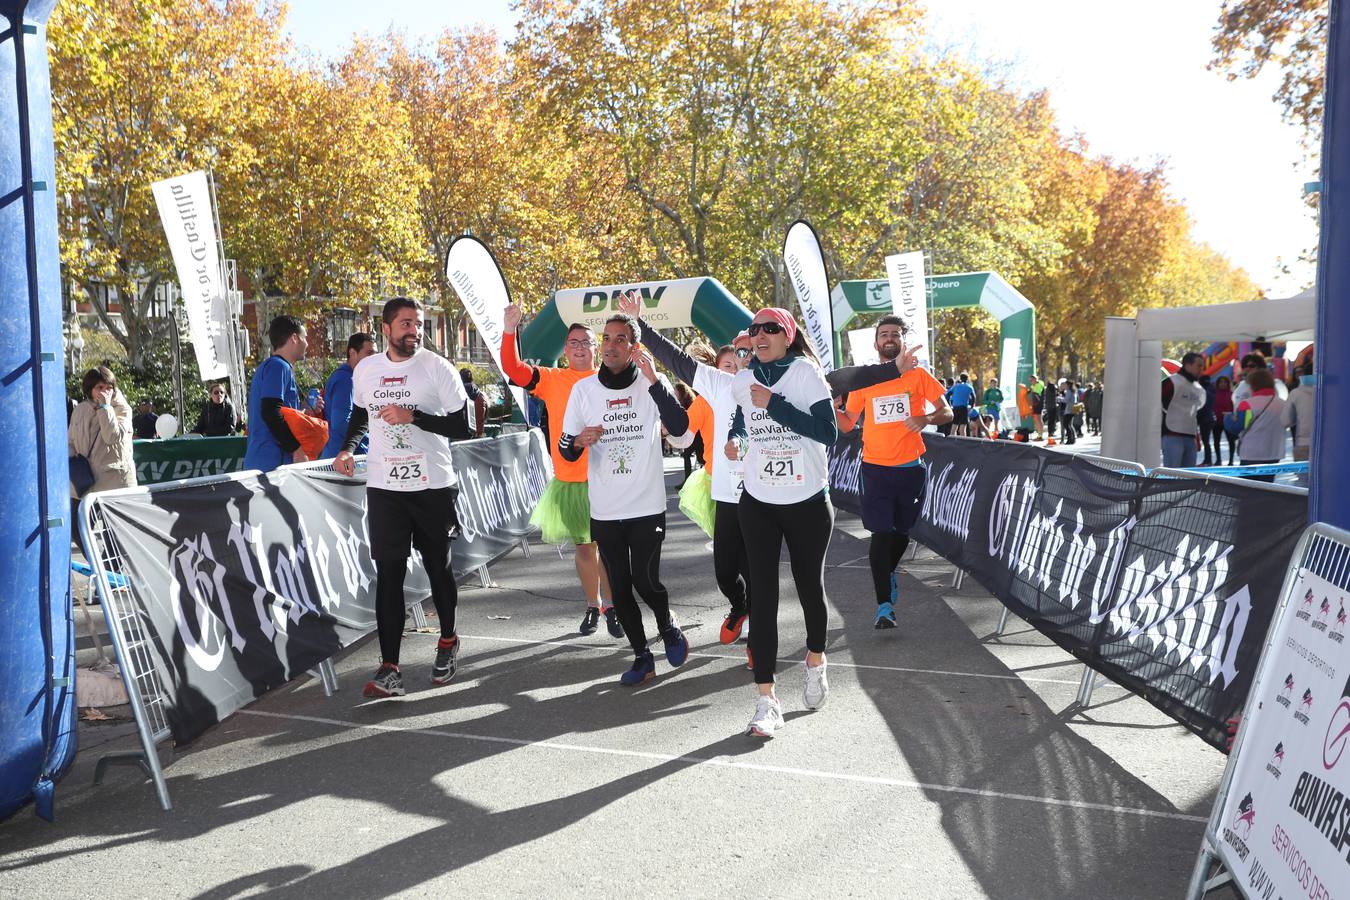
x: 1253, y: 417
x: 762, y: 410
x: 761, y: 406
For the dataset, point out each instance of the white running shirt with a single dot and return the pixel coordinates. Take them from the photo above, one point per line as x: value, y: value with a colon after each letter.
x: 624, y: 470
x: 714, y: 385
x: 404, y: 457
x: 782, y: 466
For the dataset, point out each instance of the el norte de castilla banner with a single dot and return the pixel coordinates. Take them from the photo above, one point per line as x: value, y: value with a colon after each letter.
x: 1166, y: 586
x: 244, y: 584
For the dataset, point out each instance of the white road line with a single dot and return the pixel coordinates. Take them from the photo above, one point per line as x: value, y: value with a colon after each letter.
x: 844, y: 665
x: 724, y: 762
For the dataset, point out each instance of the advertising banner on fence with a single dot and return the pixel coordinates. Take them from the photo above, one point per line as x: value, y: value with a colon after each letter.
x: 189, y: 224
x: 245, y: 584
x: 1165, y: 586
x: 475, y: 276
x: 179, y: 458
x: 1284, y: 829
x: 806, y: 270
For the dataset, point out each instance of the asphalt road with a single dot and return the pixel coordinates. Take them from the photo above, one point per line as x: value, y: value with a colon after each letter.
x: 949, y: 762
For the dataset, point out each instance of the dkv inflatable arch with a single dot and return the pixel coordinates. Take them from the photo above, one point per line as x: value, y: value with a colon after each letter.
x: 701, y: 303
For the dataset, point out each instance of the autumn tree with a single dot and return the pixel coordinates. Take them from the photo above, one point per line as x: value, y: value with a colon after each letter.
x: 499, y: 167
x: 328, y: 207
x: 144, y: 90
x: 731, y: 118
x: 1288, y: 34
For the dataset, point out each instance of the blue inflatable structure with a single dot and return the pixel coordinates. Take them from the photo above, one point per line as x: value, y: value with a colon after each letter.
x: 1330, y: 495
x: 37, y: 660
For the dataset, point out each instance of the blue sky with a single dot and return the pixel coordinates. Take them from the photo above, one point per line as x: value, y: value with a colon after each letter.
x: 1131, y: 79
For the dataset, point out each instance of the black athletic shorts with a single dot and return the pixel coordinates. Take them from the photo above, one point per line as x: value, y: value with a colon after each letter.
x: 892, y: 497
x: 960, y: 415
x: 399, y: 520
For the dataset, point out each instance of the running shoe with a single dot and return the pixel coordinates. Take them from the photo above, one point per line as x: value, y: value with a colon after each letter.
x: 612, y: 622
x: 768, y: 717
x: 644, y: 669
x: 817, y: 688
x: 443, y: 669
x: 677, y: 645
x: 731, y: 627
x: 388, y: 682
x: 590, y: 623
x: 885, y: 616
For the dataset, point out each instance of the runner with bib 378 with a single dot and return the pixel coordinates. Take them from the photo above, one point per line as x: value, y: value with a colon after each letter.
x: 893, y: 416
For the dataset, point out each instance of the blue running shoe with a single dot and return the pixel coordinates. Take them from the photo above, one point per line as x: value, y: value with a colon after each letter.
x: 895, y: 589
x: 677, y: 645
x: 885, y: 616
x: 644, y: 669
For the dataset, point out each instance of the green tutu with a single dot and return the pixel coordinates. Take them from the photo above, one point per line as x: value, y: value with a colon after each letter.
x: 696, y: 500
x: 563, y: 513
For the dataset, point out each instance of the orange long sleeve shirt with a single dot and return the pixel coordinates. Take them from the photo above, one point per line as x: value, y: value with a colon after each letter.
x: 554, y: 387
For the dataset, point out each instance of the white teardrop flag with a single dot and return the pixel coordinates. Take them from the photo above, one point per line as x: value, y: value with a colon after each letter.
x: 474, y: 274
x: 806, y: 270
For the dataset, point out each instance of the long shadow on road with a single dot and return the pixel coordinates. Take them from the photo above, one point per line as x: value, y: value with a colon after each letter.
x: 996, y: 735
x: 412, y: 771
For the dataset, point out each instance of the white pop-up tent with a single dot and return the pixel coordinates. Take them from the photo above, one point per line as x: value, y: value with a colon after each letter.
x: 1132, y: 404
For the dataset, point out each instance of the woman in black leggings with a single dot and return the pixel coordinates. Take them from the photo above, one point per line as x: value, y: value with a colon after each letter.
x: 786, y: 420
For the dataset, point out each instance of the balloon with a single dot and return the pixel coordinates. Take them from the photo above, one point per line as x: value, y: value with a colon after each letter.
x: 166, y: 426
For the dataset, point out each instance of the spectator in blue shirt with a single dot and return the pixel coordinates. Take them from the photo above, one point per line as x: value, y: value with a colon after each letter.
x: 270, y: 441
x: 962, y: 397
x: 337, y: 394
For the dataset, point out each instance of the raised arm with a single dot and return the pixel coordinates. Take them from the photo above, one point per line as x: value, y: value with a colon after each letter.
x: 521, y: 374
x: 855, y: 378
x: 671, y: 356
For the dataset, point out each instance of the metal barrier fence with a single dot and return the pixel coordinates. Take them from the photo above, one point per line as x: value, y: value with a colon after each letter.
x: 1090, y: 678
x: 132, y: 641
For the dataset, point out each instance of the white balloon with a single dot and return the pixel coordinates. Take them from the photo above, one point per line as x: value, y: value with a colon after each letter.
x: 166, y: 426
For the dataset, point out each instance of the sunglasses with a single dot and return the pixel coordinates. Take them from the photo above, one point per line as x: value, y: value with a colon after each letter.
x: 766, y: 327
x: 742, y: 352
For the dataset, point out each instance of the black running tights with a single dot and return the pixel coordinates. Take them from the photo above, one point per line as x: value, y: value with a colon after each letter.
x: 807, y: 527
x: 729, y: 563
x: 884, y: 555
x: 631, y: 552
x: 390, y: 607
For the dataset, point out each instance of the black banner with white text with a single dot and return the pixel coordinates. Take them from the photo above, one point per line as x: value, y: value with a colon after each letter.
x: 1166, y: 586
x: 244, y: 584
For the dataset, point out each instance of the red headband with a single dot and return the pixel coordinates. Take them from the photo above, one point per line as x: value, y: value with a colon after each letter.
x: 782, y: 317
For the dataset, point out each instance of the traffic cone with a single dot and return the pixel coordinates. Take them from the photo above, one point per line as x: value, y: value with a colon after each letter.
x: 1049, y: 441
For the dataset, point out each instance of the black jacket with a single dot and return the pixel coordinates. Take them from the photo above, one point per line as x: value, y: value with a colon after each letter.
x: 217, y: 420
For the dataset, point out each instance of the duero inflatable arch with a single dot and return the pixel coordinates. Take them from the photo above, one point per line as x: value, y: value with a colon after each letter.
x: 1016, y: 316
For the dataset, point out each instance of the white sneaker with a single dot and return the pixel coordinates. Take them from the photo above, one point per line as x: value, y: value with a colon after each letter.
x: 768, y: 717
x: 817, y: 688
